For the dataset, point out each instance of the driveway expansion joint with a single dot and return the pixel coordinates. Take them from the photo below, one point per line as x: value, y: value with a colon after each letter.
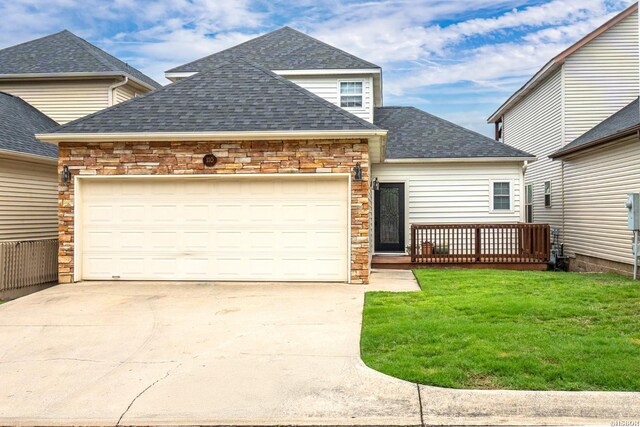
x: 420, y: 405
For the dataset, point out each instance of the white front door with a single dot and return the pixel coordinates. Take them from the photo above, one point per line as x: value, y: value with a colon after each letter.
x: 289, y: 228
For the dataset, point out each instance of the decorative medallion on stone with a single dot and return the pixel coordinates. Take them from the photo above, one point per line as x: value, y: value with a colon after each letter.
x: 209, y: 160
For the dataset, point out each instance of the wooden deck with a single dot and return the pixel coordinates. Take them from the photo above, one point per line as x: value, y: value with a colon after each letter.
x: 403, y: 262
x: 503, y: 246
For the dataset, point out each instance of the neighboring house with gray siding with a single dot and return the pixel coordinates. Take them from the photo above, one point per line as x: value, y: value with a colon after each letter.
x: 574, y: 92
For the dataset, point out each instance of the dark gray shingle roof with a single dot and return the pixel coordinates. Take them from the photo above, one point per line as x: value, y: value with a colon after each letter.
x: 415, y: 134
x: 19, y: 122
x: 64, y: 52
x: 283, y: 49
x: 625, y: 119
x: 236, y: 96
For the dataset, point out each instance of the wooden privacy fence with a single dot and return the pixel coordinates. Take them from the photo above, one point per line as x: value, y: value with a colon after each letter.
x: 28, y: 263
x: 480, y: 243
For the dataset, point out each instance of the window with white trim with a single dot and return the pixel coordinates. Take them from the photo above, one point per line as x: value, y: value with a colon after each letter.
x: 351, y: 94
x: 528, y: 203
x: 547, y: 194
x: 502, y: 196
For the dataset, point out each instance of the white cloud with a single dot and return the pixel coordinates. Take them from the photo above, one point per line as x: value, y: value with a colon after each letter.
x: 459, y: 47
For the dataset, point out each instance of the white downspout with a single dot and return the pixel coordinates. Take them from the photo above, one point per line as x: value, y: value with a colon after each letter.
x: 523, y: 192
x: 115, y: 86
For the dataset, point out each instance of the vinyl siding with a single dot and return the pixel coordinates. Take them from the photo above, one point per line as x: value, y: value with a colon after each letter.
x: 28, y: 200
x: 535, y: 126
x: 601, y: 77
x: 62, y: 100
x: 450, y: 193
x: 596, y: 187
x: 327, y: 87
x: 124, y: 93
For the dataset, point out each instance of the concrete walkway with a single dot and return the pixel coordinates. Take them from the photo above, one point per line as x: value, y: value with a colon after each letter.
x: 232, y: 354
x: 393, y: 281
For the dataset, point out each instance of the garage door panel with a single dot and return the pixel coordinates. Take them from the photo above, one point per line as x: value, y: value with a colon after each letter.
x: 100, y: 240
x: 132, y: 240
x: 215, y: 229
x: 165, y: 213
x: 227, y: 239
x: 100, y: 213
x: 228, y: 213
x: 131, y: 213
x: 99, y: 267
x: 196, y: 213
x: 196, y: 240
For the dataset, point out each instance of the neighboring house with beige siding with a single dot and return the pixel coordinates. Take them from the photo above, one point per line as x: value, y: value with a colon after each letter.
x: 28, y: 198
x: 535, y: 125
x: 575, y: 91
x: 66, y: 77
x: 600, y: 168
x: 58, y: 78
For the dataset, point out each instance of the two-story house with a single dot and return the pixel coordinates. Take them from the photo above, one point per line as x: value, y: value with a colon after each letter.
x: 552, y: 116
x: 274, y: 160
x: 43, y: 82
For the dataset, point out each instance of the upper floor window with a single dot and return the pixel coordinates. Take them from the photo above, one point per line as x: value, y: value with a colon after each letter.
x: 529, y: 203
x: 547, y: 194
x: 502, y: 196
x: 351, y: 94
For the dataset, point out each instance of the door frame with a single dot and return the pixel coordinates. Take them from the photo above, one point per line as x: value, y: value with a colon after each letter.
x: 77, y: 203
x: 407, y: 237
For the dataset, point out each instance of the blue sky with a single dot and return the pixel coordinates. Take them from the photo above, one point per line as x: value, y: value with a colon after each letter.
x: 458, y: 59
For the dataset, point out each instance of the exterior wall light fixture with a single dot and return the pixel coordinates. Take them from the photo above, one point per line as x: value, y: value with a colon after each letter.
x: 357, y: 172
x: 66, y: 175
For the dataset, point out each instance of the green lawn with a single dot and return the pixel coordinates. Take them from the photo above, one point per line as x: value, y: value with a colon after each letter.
x: 489, y: 329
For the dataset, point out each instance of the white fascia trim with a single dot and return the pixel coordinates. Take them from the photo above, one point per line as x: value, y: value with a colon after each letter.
x: 462, y: 160
x: 182, y: 75
x: 28, y: 157
x: 74, y: 75
x: 54, y: 138
x: 332, y: 71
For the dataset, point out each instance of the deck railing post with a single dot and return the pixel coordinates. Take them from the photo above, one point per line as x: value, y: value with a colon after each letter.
x: 478, y: 244
x: 413, y: 243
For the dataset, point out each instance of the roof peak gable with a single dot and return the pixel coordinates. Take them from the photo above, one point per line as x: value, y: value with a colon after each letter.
x: 65, y: 52
x: 285, y: 48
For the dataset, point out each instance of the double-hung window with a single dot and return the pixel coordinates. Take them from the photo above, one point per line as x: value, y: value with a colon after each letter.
x: 501, y: 196
x: 350, y: 94
x: 528, y: 203
x: 547, y: 194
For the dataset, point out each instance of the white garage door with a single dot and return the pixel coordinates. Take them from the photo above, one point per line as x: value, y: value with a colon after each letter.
x: 258, y: 228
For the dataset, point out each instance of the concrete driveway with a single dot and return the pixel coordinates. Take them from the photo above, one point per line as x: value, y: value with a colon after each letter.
x: 219, y: 354
x: 189, y: 353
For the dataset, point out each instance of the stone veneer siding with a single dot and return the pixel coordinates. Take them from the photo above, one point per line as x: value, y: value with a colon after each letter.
x: 247, y: 157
